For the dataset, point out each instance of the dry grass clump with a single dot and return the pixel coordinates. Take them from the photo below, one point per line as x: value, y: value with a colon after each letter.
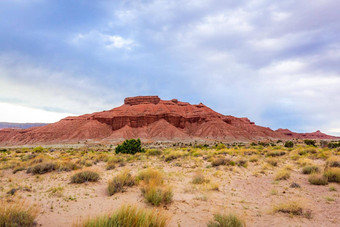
x: 120, y: 182
x: 84, y: 176
x: 332, y: 174
x: 153, y: 188
x: 157, y: 195
x: 172, y: 155
x: 153, y: 152
x: 150, y: 174
x: 18, y: 214
x: 199, y: 178
x: 67, y: 166
x: 282, y: 174
x: 310, y: 169
x: 317, y: 179
x: 131, y: 216
x: 333, y: 162
x: 18, y: 169
x: 272, y: 161
x: 223, y: 220
x: 293, y: 208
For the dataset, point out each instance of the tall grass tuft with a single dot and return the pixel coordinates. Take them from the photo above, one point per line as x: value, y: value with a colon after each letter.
x: 18, y: 214
x: 131, y: 216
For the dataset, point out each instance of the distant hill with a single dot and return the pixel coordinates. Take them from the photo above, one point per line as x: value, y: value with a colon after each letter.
x: 152, y: 119
x: 20, y: 125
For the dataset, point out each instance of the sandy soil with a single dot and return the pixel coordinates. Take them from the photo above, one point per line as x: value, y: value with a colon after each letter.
x: 243, y: 191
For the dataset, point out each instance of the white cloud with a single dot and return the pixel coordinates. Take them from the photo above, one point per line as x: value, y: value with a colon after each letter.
x: 104, y: 40
x: 20, y: 114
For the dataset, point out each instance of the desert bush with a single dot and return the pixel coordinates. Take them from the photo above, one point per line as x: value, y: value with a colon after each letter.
x: 120, y: 182
x: 317, y: 179
x: 17, y: 215
x: 222, y: 220
x: 131, y: 146
x: 282, y: 174
x: 310, y: 142
x: 332, y: 174
x: 85, y: 176
x: 310, y: 169
x: 289, y: 144
x: 220, y: 161
x: 131, y: 216
x: 275, y: 153
x: 42, y: 168
x: 334, y: 144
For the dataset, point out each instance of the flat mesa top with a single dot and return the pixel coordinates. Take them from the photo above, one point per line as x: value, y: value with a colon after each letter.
x: 142, y: 100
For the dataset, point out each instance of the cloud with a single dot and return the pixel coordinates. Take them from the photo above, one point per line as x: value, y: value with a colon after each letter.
x: 107, y: 41
x: 17, y: 113
x: 274, y: 62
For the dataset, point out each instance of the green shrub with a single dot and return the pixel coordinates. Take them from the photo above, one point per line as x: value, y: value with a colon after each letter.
x: 310, y: 169
x: 85, y: 176
x: 317, y: 179
x: 120, y: 182
x: 229, y: 220
x: 310, y: 142
x: 131, y: 146
x: 289, y: 144
x: 129, y: 216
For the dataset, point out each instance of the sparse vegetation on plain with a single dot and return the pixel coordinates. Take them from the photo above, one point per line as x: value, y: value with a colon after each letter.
x: 176, y: 179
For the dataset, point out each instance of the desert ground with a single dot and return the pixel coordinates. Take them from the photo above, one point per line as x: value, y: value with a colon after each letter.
x: 262, y: 185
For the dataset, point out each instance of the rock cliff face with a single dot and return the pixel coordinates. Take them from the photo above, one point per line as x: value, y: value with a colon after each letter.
x: 149, y: 117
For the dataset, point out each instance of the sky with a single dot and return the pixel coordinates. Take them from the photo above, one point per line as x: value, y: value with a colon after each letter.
x: 275, y: 62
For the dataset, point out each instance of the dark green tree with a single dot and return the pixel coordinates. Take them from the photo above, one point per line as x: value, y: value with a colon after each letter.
x: 131, y: 146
